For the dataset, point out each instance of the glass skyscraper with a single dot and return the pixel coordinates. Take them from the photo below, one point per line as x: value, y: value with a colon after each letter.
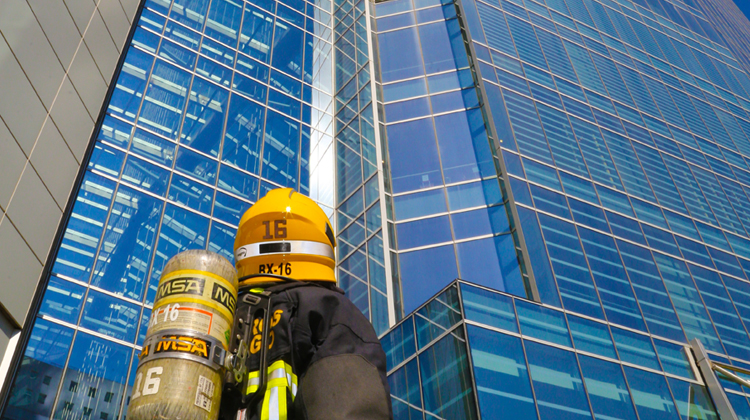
x: 582, y: 166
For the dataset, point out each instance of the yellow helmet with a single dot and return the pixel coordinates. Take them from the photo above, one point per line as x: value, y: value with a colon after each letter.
x: 284, y: 234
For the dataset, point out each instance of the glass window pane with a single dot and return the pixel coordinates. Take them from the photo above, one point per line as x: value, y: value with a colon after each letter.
x: 404, y: 384
x: 257, y: 30
x: 673, y: 359
x: 591, y: 336
x: 635, y: 348
x: 557, y: 383
x: 165, y: 99
x: 423, y: 232
x: 425, y: 272
x: 62, y: 300
x: 420, y: 204
x: 501, y: 375
x: 492, y: 262
x: 651, y: 395
x: 410, y: 171
x: 693, y: 401
x: 607, y: 389
x: 281, y: 149
x: 204, y: 118
x: 400, y: 56
x: 543, y: 323
x: 94, y: 362
x: 442, y: 46
x: 126, y: 250
x: 489, y: 308
x: 446, y: 382
x: 40, y: 371
x: 464, y: 147
x: 399, y: 344
x: 110, y: 316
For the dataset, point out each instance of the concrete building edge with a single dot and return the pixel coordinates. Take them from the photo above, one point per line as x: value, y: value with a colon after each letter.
x: 14, y: 352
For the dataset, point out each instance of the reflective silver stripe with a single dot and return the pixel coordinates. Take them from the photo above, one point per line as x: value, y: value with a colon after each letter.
x: 276, y: 374
x: 273, y: 404
x: 296, y: 247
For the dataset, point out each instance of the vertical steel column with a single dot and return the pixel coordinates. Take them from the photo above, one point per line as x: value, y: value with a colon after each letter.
x: 723, y: 406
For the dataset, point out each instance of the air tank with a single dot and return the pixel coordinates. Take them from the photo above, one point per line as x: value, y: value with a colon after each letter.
x: 180, y: 369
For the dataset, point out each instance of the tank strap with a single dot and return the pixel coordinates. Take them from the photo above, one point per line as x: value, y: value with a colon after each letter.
x: 281, y: 379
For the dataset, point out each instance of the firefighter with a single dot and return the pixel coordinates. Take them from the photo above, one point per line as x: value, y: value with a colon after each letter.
x: 302, y: 350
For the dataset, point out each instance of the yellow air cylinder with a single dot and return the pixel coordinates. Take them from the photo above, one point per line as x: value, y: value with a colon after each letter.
x: 180, y: 371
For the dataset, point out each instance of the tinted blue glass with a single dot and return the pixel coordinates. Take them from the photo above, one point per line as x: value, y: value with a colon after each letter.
x: 480, y: 222
x: 543, y: 323
x: 464, y: 147
x: 591, y: 336
x: 687, y: 301
x: 557, y: 383
x: 650, y: 291
x: 543, y: 276
x: 693, y: 401
x: 62, y: 300
x: 404, y: 384
x: 446, y: 381
x: 489, y: 308
x: 611, y: 280
x: 126, y: 97
x: 550, y: 202
x: 410, y: 170
x: 122, y: 265
x: 674, y: 359
x: 491, y: 262
x: 739, y: 405
x: 442, y: 46
x: 400, y: 56
x: 110, y: 316
x: 570, y: 267
x: 76, y: 257
x: 423, y: 232
x: 608, y: 392
x: 243, y: 133
x: 190, y: 193
x: 152, y: 147
x: 222, y: 240
x: 180, y: 230
x: 420, y: 204
x: 399, y: 343
x: 196, y: 165
x: 33, y: 392
x: 163, y: 108
x: 635, y: 348
x: 425, y: 272
x: 93, y: 359
x: 438, y: 316
x: 501, y: 375
x: 474, y: 194
x: 651, y: 395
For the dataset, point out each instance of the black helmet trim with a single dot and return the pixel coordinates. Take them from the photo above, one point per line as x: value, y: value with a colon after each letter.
x: 284, y: 247
x: 329, y: 235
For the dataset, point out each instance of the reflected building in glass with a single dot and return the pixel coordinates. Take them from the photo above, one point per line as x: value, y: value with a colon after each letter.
x: 582, y: 166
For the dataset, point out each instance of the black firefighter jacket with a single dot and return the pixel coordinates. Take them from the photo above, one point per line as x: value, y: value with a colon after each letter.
x: 324, y: 359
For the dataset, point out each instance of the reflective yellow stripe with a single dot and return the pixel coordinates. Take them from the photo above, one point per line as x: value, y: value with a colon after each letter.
x: 282, y: 400
x: 265, y: 412
x: 280, y: 378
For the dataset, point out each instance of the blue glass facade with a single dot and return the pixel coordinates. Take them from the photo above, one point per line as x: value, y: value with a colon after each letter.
x: 624, y: 135
x: 583, y: 166
x: 216, y: 102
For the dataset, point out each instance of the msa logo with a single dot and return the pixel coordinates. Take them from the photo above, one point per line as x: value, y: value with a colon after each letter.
x: 223, y: 296
x: 183, y: 344
x: 186, y: 285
